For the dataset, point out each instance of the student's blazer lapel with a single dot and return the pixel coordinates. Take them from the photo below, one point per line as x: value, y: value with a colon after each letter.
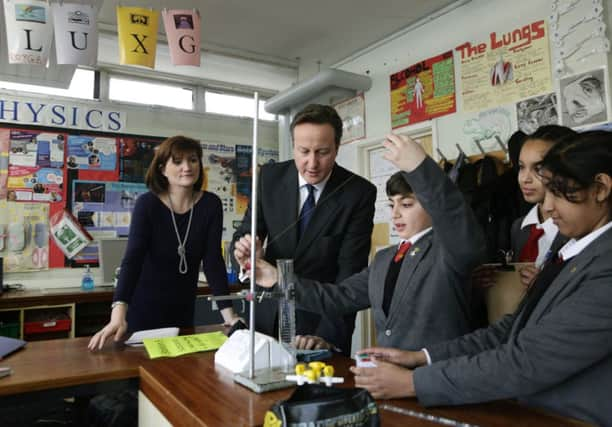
x: 567, y: 280
x: 378, y: 275
x: 406, y: 278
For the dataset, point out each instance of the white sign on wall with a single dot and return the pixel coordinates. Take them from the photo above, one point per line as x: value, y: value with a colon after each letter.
x: 42, y: 112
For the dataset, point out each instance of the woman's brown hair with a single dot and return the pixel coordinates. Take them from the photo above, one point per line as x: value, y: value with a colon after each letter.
x: 173, y: 147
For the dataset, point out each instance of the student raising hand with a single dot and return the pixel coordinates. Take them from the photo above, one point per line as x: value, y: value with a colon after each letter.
x: 404, y: 152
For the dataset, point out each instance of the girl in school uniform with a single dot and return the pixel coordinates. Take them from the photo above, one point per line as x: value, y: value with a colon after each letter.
x: 555, y: 351
x: 533, y: 235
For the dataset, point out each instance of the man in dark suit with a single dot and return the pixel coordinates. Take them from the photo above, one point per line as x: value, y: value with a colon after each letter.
x: 317, y: 213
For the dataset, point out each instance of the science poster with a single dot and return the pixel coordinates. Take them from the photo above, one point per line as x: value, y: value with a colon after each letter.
x: 35, y: 171
x: 24, y: 236
x: 510, y: 65
x: 91, y: 153
x: 423, y: 91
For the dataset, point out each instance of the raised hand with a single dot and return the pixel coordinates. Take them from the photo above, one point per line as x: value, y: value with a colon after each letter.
x: 403, y: 152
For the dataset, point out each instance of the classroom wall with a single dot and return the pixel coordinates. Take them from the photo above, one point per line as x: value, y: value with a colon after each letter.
x: 143, y: 120
x: 471, y: 22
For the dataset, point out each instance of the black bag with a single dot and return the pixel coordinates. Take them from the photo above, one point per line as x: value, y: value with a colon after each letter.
x: 317, y: 405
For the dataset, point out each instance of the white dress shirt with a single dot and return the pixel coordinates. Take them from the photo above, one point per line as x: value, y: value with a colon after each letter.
x: 574, y: 247
x: 319, y: 187
x: 547, y: 239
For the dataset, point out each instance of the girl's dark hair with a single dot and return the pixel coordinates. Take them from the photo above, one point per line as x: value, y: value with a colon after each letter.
x: 396, y: 184
x: 572, y: 165
x: 175, y: 147
x: 552, y: 133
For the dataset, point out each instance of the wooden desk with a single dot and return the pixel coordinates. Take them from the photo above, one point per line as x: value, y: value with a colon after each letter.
x: 190, y: 390
x: 66, y: 366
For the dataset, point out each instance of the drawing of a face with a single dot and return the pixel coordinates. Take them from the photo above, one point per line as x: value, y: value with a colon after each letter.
x: 584, y: 98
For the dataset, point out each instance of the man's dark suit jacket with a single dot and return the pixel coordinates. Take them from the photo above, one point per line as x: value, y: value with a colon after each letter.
x: 335, y: 245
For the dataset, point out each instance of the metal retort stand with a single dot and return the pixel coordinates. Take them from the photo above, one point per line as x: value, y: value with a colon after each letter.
x: 271, y: 377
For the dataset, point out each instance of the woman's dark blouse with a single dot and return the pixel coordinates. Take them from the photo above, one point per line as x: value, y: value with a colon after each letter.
x: 150, y: 282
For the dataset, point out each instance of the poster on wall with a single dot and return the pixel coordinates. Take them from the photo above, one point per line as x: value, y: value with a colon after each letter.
x: 467, y: 128
x: 24, y: 236
x: 352, y: 113
x: 423, y: 91
x: 136, y: 154
x: 583, y: 99
x: 243, y: 172
x: 36, y: 160
x: 104, y: 209
x: 91, y: 152
x: 219, y: 162
x: 537, y: 111
x: 509, y: 66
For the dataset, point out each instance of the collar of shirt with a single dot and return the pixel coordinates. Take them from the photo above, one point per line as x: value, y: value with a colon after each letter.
x: 574, y: 247
x: 549, y: 227
x: 320, y: 186
x: 415, y: 237
x: 531, y: 217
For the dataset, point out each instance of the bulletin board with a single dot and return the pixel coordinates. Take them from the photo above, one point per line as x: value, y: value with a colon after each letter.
x: 97, y: 178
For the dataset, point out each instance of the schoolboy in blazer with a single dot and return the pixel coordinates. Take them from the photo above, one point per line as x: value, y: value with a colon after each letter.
x: 555, y: 351
x: 429, y: 301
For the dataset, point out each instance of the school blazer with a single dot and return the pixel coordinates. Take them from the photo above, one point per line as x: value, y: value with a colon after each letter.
x: 335, y: 245
x: 560, y: 361
x: 430, y: 301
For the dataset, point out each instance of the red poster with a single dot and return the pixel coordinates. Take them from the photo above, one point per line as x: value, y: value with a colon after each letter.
x: 423, y: 91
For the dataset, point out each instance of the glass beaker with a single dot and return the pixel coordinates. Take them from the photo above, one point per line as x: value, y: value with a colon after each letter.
x: 286, y: 310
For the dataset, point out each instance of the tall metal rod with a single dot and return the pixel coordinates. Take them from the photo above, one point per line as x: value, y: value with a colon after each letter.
x: 253, y: 237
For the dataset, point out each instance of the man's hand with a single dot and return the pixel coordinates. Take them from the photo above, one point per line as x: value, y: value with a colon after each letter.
x: 242, y: 251
x: 403, y: 152
x: 385, y: 381
x: 405, y: 358
x: 311, y: 342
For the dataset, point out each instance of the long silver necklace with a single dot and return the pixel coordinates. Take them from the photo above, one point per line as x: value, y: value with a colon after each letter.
x: 181, y: 244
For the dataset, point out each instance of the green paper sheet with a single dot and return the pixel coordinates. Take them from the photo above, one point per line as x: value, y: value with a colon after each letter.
x: 184, y: 344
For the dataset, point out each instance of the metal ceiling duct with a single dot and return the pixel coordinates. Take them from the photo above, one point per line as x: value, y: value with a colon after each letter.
x: 310, y: 88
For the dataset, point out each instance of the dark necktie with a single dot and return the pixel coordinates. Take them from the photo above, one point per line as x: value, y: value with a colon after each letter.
x: 392, y: 274
x: 530, y: 251
x: 543, y: 280
x: 307, y: 209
